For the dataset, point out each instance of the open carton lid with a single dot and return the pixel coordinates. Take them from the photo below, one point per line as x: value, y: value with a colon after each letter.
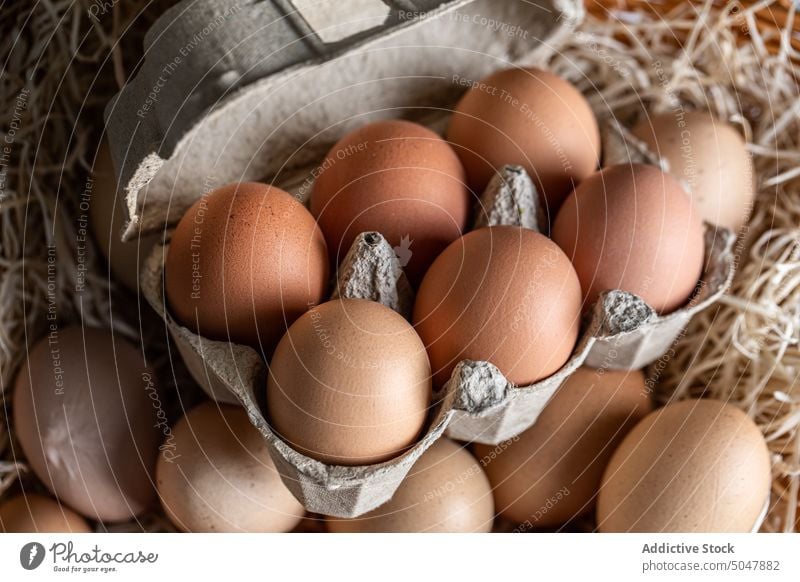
x: 235, y: 90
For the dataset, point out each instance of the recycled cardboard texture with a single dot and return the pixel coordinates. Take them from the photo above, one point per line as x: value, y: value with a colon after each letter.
x: 510, y: 199
x: 233, y: 373
x: 478, y: 403
x: 371, y: 271
x: 221, y: 113
x: 654, y: 337
x: 224, y: 370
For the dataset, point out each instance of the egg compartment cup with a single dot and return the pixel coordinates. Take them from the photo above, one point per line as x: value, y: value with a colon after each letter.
x: 621, y: 332
x: 349, y: 85
x: 478, y: 403
x: 477, y: 400
x: 236, y: 374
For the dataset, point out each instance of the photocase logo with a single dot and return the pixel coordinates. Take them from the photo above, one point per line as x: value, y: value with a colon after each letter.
x: 31, y: 555
x: 403, y: 250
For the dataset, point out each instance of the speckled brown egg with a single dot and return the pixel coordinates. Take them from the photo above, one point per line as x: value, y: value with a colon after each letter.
x: 349, y: 384
x: 693, y: 466
x: 551, y: 473
x: 503, y: 294
x: 244, y: 262
x: 400, y: 179
x: 528, y: 117
x: 33, y: 513
x: 632, y: 227
x: 86, y: 414
x: 107, y: 219
x: 215, y: 474
x: 710, y: 156
x: 445, y: 491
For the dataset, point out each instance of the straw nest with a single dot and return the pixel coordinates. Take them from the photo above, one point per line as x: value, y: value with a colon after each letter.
x: 63, y: 59
x: 743, y: 64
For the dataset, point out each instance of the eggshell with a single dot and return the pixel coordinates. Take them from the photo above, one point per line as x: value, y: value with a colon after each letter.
x: 528, y: 117
x: 349, y: 384
x: 32, y: 513
x: 245, y: 261
x: 502, y: 294
x: 551, y: 473
x: 107, y: 220
x: 445, y: 491
x: 632, y: 227
x: 86, y: 417
x: 397, y: 178
x: 692, y: 466
x: 215, y: 475
x: 710, y: 156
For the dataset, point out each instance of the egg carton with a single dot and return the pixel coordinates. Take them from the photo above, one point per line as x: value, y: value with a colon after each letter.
x: 478, y: 403
x: 622, y: 331
x: 236, y: 374
x: 166, y: 151
x: 206, y: 82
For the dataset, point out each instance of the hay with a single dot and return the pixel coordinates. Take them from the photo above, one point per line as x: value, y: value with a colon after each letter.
x: 745, y: 351
x: 62, y: 65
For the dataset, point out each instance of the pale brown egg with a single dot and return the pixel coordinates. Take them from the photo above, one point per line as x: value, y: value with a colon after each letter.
x: 86, y: 414
x: 797, y: 515
x: 692, y: 466
x: 445, y: 491
x: 244, y: 262
x: 532, y: 118
x: 710, y: 156
x: 107, y: 219
x: 503, y: 294
x: 397, y: 178
x: 551, y: 473
x: 215, y: 475
x: 33, y: 513
x: 349, y: 384
x: 632, y: 227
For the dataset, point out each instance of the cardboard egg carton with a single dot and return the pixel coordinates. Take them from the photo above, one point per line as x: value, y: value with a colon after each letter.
x: 205, y: 81
x: 275, y: 119
x: 478, y: 403
x: 277, y: 89
x: 237, y: 374
x: 621, y: 332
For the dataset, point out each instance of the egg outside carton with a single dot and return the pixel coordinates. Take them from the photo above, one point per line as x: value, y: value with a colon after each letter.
x: 478, y: 403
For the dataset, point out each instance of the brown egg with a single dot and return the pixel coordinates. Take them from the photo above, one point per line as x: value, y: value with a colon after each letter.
x: 215, y: 475
x: 397, y: 178
x: 445, y: 491
x: 86, y: 414
x: 797, y: 518
x: 528, y: 117
x: 551, y: 473
x: 692, y: 466
x: 632, y: 227
x: 32, y: 513
x: 245, y: 261
x: 349, y: 384
x: 107, y: 219
x: 503, y: 294
x: 710, y: 156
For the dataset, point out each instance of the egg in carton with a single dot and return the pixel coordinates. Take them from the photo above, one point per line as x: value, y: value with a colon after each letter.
x: 235, y: 90
x: 478, y: 403
x: 166, y: 149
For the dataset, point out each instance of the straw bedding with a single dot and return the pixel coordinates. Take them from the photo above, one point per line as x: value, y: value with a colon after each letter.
x: 63, y: 59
